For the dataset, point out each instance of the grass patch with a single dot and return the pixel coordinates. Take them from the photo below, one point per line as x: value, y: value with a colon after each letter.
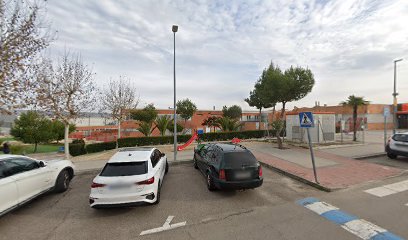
x: 3, y: 139
x: 29, y: 149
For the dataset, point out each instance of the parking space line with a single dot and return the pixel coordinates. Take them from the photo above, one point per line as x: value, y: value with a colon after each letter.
x: 166, y: 226
x: 388, y: 189
x: 359, y: 227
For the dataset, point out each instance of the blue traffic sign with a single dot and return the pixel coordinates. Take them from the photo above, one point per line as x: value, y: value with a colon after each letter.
x: 306, y: 119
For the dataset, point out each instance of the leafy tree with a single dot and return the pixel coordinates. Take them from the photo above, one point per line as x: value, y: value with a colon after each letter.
x: 211, y: 121
x: 257, y: 100
x: 186, y: 108
x: 228, y: 124
x: 162, y: 122
x: 58, y: 130
x: 170, y: 127
x: 355, y: 102
x: 117, y: 99
x: 148, y: 114
x: 31, y: 127
x: 293, y: 84
x: 233, y: 112
x: 146, y: 128
x: 66, y: 90
x: 23, y: 36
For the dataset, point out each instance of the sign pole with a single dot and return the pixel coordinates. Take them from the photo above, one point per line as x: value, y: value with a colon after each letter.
x: 306, y: 121
x: 312, y: 155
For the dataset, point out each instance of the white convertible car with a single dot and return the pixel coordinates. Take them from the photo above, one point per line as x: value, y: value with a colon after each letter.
x: 23, y: 178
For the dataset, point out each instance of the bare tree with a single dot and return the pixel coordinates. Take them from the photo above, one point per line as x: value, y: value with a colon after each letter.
x: 117, y: 99
x: 23, y: 35
x: 66, y: 90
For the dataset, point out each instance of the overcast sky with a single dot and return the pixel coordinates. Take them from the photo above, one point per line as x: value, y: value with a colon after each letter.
x: 223, y: 46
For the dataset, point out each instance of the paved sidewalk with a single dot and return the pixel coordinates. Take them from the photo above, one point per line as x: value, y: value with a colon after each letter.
x: 333, y: 171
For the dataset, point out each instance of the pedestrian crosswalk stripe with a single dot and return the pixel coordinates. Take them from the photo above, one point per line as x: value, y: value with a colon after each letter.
x: 388, y: 189
x: 359, y: 227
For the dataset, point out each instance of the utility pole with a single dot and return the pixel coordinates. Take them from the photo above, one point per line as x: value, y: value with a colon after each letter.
x: 395, y: 95
x: 174, y: 29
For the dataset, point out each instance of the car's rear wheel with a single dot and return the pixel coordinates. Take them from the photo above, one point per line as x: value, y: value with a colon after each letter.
x: 158, y: 194
x: 63, y: 181
x: 392, y: 155
x: 210, y: 182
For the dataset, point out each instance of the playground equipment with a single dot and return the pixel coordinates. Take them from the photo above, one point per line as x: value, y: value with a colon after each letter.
x: 194, y: 137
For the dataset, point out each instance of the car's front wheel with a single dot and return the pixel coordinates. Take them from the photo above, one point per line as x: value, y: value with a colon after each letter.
x: 63, y: 181
x: 392, y: 155
x: 167, y: 168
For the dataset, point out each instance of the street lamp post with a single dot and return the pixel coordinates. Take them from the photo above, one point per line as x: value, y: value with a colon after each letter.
x: 174, y: 29
x: 395, y: 95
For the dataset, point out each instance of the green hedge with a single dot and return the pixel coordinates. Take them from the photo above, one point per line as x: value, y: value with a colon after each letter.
x: 146, y: 141
x: 99, y: 147
x: 77, y: 149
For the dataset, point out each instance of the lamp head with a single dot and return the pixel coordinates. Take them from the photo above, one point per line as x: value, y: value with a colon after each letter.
x: 398, y: 60
x: 174, y: 28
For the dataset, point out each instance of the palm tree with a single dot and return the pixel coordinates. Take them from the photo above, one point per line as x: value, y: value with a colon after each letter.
x: 228, y: 124
x: 161, y: 123
x: 355, y: 102
x: 146, y: 128
x: 211, y: 122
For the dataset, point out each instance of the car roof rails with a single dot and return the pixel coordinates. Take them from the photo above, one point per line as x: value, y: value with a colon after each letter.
x: 216, y: 146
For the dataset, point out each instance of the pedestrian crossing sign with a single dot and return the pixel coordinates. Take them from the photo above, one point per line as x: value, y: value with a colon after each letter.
x: 306, y: 119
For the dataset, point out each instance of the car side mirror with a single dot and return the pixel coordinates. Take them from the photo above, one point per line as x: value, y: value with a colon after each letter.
x: 42, y: 164
x: 162, y: 155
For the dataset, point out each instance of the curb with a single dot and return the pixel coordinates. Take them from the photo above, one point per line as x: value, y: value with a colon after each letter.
x: 300, y: 179
x: 374, y: 155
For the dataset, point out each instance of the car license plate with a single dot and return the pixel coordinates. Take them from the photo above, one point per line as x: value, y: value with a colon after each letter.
x: 118, y: 186
x: 242, y: 175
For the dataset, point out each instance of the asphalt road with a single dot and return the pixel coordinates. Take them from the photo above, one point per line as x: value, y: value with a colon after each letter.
x: 400, y: 162
x: 269, y: 212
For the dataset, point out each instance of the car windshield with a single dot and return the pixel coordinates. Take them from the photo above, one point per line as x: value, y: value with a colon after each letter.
x: 239, y: 159
x: 401, y: 137
x: 124, y: 169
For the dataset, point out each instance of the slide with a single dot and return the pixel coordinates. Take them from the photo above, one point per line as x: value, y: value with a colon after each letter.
x: 181, y: 148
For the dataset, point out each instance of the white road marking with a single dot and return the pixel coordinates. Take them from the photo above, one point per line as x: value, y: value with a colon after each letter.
x: 362, y: 228
x: 388, y: 189
x: 321, y: 207
x: 166, y: 226
x: 406, y: 204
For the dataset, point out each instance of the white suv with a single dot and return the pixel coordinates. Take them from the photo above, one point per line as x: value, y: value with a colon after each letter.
x: 132, y: 175
x: 397, y: 145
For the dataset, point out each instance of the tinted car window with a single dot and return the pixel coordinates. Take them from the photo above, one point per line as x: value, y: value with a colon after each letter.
x: 239, y: 159
x: 155, y: 157
x: 18, y: 165
x: 400, y: 137
x: 124, y: 169
x: 3, y: 170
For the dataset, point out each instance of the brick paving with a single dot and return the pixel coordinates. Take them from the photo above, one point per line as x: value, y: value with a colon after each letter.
x: 345, y: 173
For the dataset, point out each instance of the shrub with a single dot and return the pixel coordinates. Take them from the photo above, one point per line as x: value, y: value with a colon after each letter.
x: 76, y: 149
x: 99, y: 147
x: 78, y: 141
x: 18, y: 149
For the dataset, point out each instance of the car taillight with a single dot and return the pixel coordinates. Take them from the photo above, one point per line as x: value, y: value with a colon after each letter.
x: 260, y: 171
x: 146, y: 182
x: 222, y: 174
x: 97, y: 185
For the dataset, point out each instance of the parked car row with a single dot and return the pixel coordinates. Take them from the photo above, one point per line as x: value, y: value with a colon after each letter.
x: 131, y: 176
